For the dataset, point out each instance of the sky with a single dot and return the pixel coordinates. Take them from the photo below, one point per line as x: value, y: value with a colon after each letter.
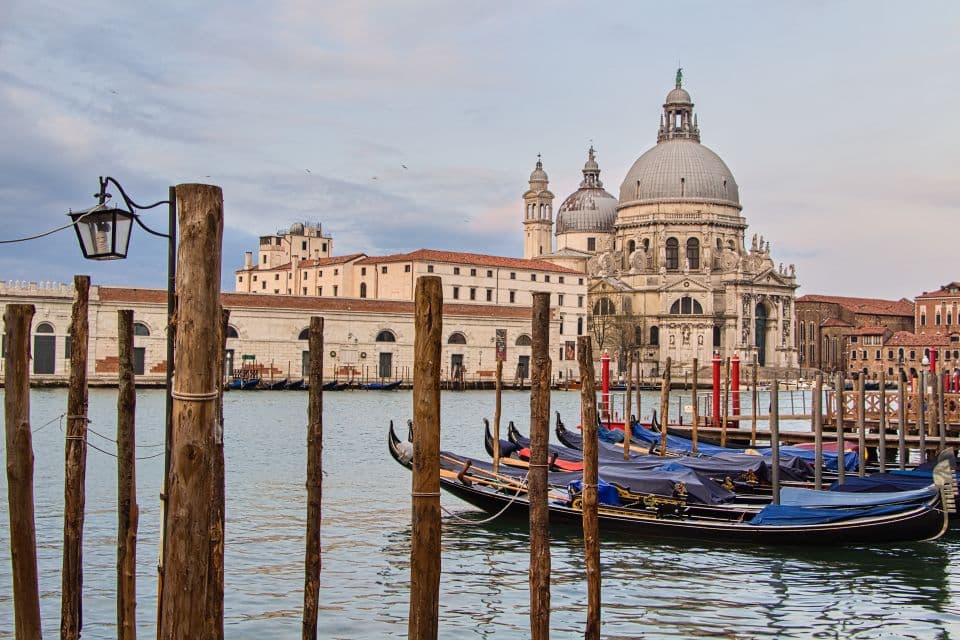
x: 416, y: 124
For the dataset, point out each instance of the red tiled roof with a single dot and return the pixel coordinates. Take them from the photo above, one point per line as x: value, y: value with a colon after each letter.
x: 835, y: 322
x: 869, y: 306
x: 868, y: 331
x: 315, y: 304
x: 313, y: 262
x: 479, y: 259
x: 946, y: 291
x: 907, y: 339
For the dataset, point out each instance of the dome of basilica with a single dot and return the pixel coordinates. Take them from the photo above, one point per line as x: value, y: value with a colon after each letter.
x: 589, y: 208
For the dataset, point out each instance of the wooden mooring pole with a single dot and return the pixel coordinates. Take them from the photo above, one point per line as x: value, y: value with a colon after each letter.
x: 664, y: 406
x: 841, y: 467
x: 817, y: 408
x: 192, y: 511
x: 775, y: 438
x: 215, y: 570
x: 696, y: 409
x: 19, y: 442
x: 497, y: 405
x: 754, y: 401
x: 128, y: 512
x: 313, y: 563
x: 425, y: 495
x: 537, y: 476
x: 639, y: 381
x: 882, y: 426
x: 591, y: 525
x: 75, y: 468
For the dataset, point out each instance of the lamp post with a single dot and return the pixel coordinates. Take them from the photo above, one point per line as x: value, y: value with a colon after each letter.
x: 104, y: 234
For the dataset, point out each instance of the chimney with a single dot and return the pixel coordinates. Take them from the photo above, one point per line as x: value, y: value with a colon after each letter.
x: 247, y: 259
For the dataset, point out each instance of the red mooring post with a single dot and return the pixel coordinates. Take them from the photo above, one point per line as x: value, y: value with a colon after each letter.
x: 715, y: 417
x: 933, y: 360
x: 605, y: 386
x: 735, y: 384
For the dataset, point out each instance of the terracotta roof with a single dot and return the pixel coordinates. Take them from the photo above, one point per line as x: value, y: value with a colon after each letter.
x: 948, y: 290
x: 835, y: 322
x: 479, y: 259
x: 313, y: 262
x: 869, y: 306
x: 868, y: 331
x: 314, y: 304
x: 907, y: 339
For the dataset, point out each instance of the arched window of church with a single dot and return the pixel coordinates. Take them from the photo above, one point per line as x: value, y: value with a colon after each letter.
x: 523, y: 340
x: 686, y: 306
x: 386, y: 336
x: 673, y: 254
x: 631, y: 247
x: 304, y: 335
x: 232, y: 331
x: 693, y: 254
x: 603, y: 307
x: 638, y: 335
x: 654, y: 336
x: 717, y: 337
x: 140, y: 329
x: 363, y: 289
x: 457, y: 338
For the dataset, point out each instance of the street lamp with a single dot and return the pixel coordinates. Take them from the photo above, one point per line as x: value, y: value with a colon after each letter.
x: 104, y: 234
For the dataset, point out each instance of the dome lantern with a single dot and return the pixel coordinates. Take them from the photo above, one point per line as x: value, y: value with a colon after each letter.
x: 678, y: 120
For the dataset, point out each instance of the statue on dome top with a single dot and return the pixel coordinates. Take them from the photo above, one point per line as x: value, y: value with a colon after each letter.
x: 679, y: 76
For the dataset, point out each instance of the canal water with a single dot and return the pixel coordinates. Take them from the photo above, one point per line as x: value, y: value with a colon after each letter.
x: 651, y: 588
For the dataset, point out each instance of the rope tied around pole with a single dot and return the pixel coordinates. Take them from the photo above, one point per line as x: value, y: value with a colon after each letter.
x: 425, y: 494
x: 195, y: 397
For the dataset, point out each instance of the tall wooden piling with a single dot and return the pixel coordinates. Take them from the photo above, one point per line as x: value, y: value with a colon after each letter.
x: 696, y: 409
x: 922, y: 416
x: 627, y: 427
x: 19, y: 442
x: 754, y: 401
x: 664, y: 405
x: 192, y: 511
x: 128, y: 513
x: 861, y: 424
x: 882, y: 426
x: 938, y: 409
x: 425, y: 531
x: 537, y: 478
x: 639, y: 381
x: 215, y: 570
x: 312, y: 563
x: 497, y: 406
x: 841, y: 445
x: 75, y: 468
x: 817, y: 410
x: 902, y: 421
x: 591, y: 525
x: 775, y: 438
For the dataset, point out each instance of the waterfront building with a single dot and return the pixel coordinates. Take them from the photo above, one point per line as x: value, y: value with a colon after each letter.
x: 937, y: 311
x: 902, y: 350
x: 364, y: 339
x: 670, y: 273
x: 828, y: 327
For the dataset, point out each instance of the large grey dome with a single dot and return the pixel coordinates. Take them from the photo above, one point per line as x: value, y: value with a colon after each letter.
x: 589, y: 208
x: 679, y: 169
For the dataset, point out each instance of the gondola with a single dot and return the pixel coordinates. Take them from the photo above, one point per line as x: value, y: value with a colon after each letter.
x: 333, y: 385
x: 381, y: 386
x: 243, y: 384
x: 295, y: 385
x: 277, y: 385
x: 899, y: 519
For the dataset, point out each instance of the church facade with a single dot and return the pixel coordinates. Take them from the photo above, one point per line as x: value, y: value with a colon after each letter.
x: 671, y: 274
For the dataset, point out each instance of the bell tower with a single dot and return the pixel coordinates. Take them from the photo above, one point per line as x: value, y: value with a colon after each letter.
x: 538, y: 215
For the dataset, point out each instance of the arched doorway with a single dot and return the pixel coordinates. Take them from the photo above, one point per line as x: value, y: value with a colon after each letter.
x: 760, y: 332
x: 44, y: 349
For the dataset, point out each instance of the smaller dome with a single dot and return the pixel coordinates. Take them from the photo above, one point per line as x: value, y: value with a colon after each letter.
x: 589, y: 208
x: 678, y: 96
x: 296, y: 229
x: 538, y: 174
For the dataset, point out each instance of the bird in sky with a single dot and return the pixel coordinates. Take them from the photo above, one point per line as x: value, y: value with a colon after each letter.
x: 307, y: 170
x: 404, y: 166
x: 374, y: 178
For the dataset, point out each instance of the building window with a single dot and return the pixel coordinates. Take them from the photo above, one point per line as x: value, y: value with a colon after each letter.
x: 580, y: 326
x: 429, y: 268
x: 489, y: 273
x: 936, y: 319
x: 473, y: 272
x: 386, y: 336
x: 546, y: 278
x: 654, y: 336
x: 513, y: 296
x: 533, y: 277
x: 336, y: 272
x: 457, y: 338
x: 456, y: 271
x: 560, y: 299
x: 473, y: 293
x: 232, y: 331
x: 140, y: 329
x: 853, y: 354
x: 276, y: 276
x: 913, y: 354
x: 323, y: 247
x: 406, y: 268
x: 513, y: 275
x: 686, y: 306
x: 923, y: 320
x: 878, y: 354
x: 263, y: 285
x: 303, y: 245
x: 603, y: 307
x: 580, y: 281
x: 673, y: 254
x: 456, y: 293
x: 239, y: 278
x: 319, y: 291
x: 523, y: 340
x: 693, y: 254
x: 363, y: 271
x: 363, y: 289
x: 335, y: 290
x: 580, y: 301
x: 854, y: 339
x: 489, y: 295
x: 382, y: 270
x: 591, y: 244
x: 561, y: 279
x: 304, y: 291
x: 254, y: 278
